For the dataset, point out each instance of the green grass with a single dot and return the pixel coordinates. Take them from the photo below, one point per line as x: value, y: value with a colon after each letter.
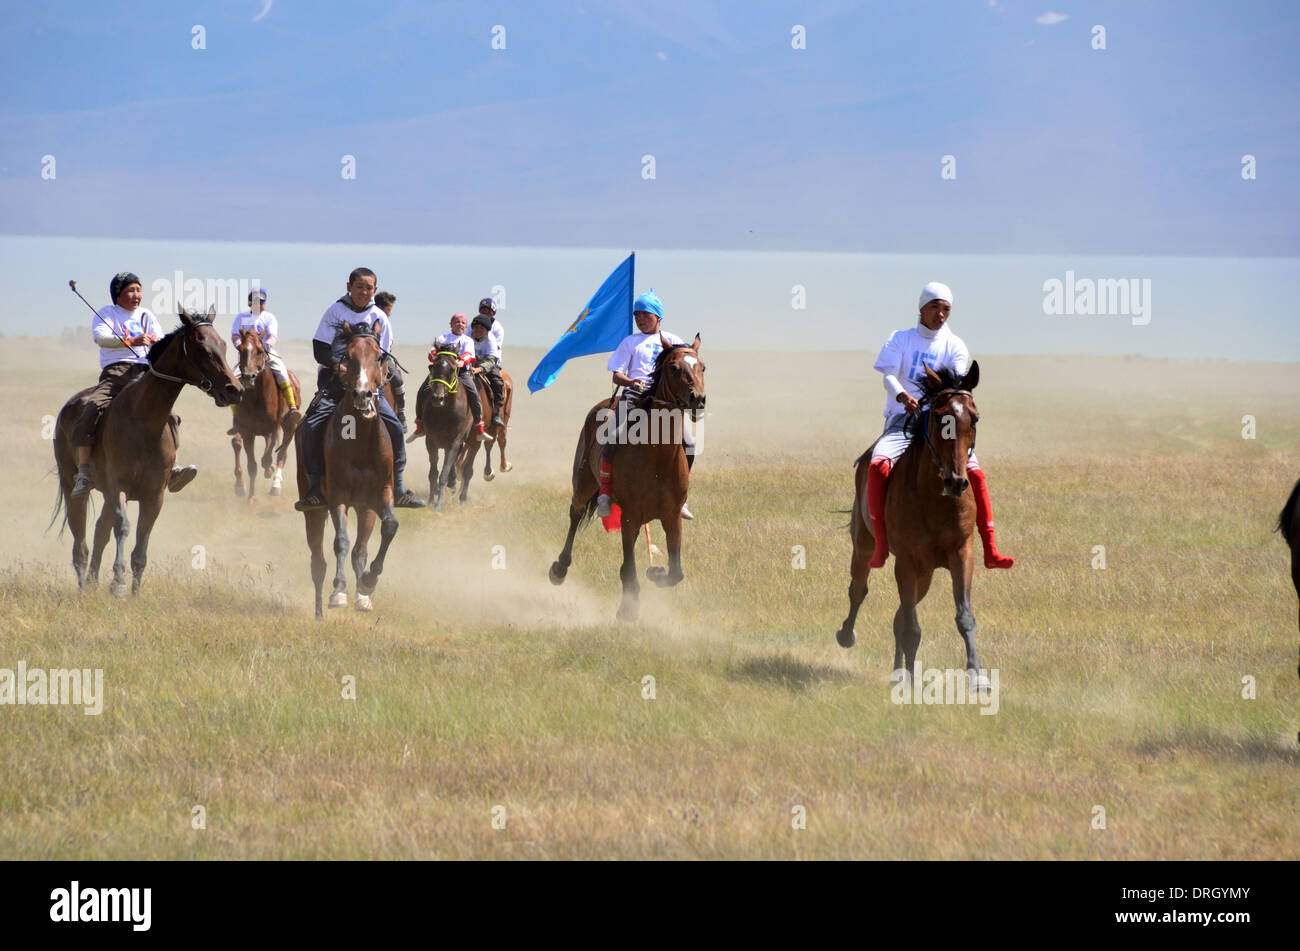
x: 479, y: 687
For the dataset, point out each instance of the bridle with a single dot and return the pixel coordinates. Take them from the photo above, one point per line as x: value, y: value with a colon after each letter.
x: 452, y: 385
x: 266, y: 362
x: 362, y: 335
x: 203, y: 382
x: 677, y: 401
x: 924, y: 420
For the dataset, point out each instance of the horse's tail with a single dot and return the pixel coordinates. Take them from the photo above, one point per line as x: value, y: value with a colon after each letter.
x: 588, y: 512
x: 58, y: 502
x: 1287, y: 518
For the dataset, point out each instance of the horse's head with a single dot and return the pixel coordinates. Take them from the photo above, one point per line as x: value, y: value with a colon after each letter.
x: 252, y: 357
x: 443, y: 370
x: 679, y: 376
x: 199, y: 358
x: 950, y: 421
x: 360, y: 367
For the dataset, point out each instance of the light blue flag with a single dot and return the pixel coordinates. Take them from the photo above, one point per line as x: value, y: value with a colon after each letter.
x: 600, y: 328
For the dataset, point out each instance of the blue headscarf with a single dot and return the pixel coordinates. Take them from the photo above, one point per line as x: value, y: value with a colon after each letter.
x: 649, y: 303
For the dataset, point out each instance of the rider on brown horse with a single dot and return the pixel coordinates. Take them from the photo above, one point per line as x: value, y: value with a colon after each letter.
x: 633, y: 366
x: 354, y: 307
x: 459, y: 343
x: 903, y: 361
x: 123, y: 331
x: 487, y: 364
x: 263, y: 323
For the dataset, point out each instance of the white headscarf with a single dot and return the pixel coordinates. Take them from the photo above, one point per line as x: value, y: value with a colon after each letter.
x: 935, y: 291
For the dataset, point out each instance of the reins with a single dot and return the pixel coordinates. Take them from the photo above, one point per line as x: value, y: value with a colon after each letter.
x: 928, y: 403
x: 452, y: 385
x: 203, y: 383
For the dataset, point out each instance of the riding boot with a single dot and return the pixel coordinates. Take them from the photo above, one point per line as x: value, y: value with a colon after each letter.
x: 606, y: 486
x: 877, y: 482
x: 399, y: 404
x: 314, y: 500
x: 402, y: 497
x: 181, y: 477
x: 498, y: 387
x: 81, y: 485
x: 294, y: 416
x: 984, y: 520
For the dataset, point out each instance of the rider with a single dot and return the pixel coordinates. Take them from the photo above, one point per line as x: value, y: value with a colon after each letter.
x: 123, y: 331
x: 487, y: 307
x: 633, y: 365
x: 463, y: 346
x: 487, y: 362
x: 353, y: 307
x: 263, y: 323
x: 903, y: 360
x: 385, y: 301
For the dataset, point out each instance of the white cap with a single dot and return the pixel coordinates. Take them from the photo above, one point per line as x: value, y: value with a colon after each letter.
x: 935, y: 291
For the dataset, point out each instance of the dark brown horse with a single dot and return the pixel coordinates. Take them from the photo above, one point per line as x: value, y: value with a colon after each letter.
x: 650, y: 478
x: 358, y: 474
x: 929, y: 520
x: 1288, y: 523
x: 262, y: 412
x: 136, y: 447
x: 447, y: 423
x: 497, y: 432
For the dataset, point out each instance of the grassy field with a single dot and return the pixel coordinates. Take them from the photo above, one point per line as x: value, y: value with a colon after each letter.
x: 479, y: 687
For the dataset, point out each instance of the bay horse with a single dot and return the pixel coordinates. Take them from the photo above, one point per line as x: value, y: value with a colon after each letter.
x: 650, y: 479
x: 929, y: 520
x: 1288, y: 523
x: 135, y: 449
x: 358, y: 473
x: 262, y: 412
x: 497, y: 432
x: 447, y: 424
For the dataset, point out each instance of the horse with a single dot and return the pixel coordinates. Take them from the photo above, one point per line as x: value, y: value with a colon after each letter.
x: 497, y: 432
x: 358, y: 473
x: 650, y: 479
x: 929, y: 520
x: 262, y: 412
x: 447, y: 423
x: 1288, y: 523
x: 136, y: 446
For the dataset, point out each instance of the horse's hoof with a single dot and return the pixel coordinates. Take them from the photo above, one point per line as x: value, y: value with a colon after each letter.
x: 557, y: 573
x: 239, y: 491
x: 117, y: 590
x: 978, y: 682
x: 489, y: 476
x: 626, y: 614
x: 846, y: 637
x: 506, y: 467
x: 339, y: 599
x: 268, y: 473
x: 275, y: 490
x: 363, y: 603
x: 899, y: 676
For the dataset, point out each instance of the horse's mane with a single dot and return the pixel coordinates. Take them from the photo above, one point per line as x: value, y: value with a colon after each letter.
x: 156, y: 350
x: 345, y: 330
x: 1287, y: 518
x: 661, y: 361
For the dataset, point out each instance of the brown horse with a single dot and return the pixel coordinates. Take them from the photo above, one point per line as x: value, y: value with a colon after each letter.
x: 929, y: 520
x: 650, y: 479
x: 358, y: 473
x: 497, y: 432
x: 136, y: 447
x: 447, y: 423
x: 1288, y: 523
x: 262, y: 412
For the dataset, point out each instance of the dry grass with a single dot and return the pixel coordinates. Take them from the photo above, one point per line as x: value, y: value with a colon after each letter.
x: 479, y: 687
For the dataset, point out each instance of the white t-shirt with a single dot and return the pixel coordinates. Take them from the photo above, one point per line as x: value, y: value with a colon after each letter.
x: 127, y: 324
x: 339, y: 313
x: 264, y: 324
x: 498, y: 333
x: 487, y: 347
x: 636, y: 355
x: 907, y: 353
x: 461, y: 343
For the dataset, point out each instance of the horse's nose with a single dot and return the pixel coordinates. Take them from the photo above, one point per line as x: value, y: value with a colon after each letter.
x: 699, y: 400
x: 232, y: 391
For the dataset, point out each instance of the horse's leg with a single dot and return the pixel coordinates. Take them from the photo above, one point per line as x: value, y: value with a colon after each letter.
x: 584, y: 490
x: 864, y: 545
x: 76, y: 509
x: 913, y: 583
x: 237, y: 444
x: 268, y: 467
x: 627, y: 610
x: 149, y: 509
x: 250, y: 447
x: 339, y: 599
x: 667, y: 577
x: 470, y: 450
x: 387, y: 529
x: 448, y: 463
x: 961, y: 565
x: 365, y: 525
x: 103, y: 528
x: 121, y: 528
x: 285, y: 430
x: 316, y: 543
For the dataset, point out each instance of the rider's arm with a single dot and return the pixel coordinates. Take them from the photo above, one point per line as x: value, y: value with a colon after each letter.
x: 321, y: 351
x: 622, y: 379
x: 270, y: 333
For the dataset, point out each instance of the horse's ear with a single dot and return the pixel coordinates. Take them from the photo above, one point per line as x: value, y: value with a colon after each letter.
x: 212, y: 311
x: 932, y: 379
x: 377, y: 326
x: 695, y: 345
x: 183, y: 314
x: 663, y: 341
x: 972, y: 377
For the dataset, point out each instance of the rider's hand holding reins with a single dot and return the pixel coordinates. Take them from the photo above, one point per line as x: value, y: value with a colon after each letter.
x: 909, y: 401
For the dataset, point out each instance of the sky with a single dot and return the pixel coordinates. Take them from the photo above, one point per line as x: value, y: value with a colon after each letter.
x: 1058, y: 148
